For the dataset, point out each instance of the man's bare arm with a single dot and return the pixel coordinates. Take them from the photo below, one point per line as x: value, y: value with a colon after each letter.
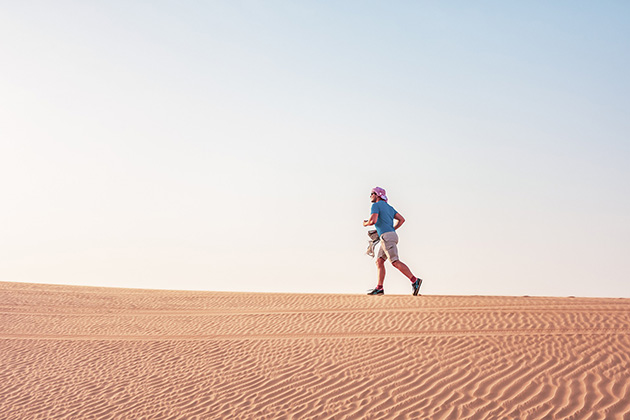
x: 372, y: 220
x: 400, y: 220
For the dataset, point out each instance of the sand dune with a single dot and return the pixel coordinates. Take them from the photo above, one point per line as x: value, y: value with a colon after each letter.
x: 103, y: 353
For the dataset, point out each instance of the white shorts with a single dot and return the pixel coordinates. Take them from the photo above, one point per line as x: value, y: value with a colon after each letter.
x: 389, y: 246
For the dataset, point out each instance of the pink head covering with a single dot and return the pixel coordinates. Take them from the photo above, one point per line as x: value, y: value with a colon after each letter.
x: 380, y: 192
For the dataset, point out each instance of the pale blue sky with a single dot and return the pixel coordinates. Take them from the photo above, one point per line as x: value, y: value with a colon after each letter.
x: 232, y: 145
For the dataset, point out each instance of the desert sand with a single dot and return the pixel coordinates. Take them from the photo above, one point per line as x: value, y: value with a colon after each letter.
x: 69, y: 352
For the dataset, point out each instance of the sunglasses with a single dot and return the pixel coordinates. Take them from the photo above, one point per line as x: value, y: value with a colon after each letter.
x: 373, y: 193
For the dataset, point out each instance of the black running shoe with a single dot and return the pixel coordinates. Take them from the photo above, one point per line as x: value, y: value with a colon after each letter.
x: 415, y: 286
x: 376, y: 291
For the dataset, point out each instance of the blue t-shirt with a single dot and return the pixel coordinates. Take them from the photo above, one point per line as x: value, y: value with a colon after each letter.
x: 386, y: 213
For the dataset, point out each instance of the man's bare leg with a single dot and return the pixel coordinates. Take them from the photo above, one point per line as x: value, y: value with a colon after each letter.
x: 402, y: 267
x: 415, y: 282
x: 380, y: 267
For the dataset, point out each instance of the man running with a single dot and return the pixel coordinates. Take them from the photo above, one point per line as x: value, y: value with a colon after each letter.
x: 382, y: 217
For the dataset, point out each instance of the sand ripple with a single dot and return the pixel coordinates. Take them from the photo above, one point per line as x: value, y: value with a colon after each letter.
x: 75, y: 353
